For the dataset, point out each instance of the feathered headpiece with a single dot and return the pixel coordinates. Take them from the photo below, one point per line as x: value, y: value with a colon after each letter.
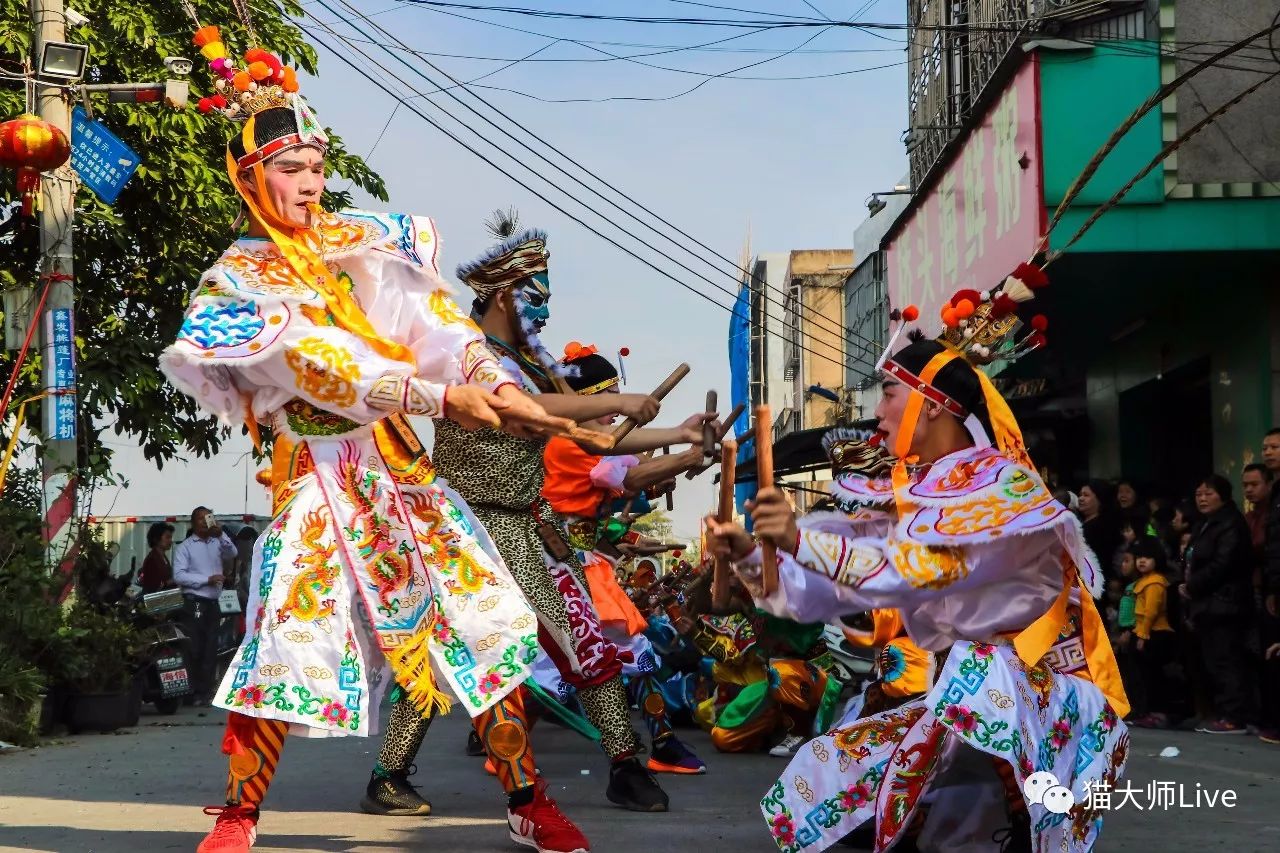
x: 516, y: 256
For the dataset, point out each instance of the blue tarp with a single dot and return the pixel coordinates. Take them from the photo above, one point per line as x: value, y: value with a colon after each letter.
x: 740, y: 382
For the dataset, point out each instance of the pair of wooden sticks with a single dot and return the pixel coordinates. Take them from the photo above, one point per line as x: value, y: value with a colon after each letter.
x: 724, y: 512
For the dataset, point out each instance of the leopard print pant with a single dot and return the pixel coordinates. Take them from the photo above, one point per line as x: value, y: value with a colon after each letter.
x: 405, y: 731
x: 517, y: 539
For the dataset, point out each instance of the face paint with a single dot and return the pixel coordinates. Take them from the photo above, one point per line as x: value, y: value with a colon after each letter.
x: 533, y: 301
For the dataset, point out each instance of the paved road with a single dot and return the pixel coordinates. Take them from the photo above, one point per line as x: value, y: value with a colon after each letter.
x: 140, y: 790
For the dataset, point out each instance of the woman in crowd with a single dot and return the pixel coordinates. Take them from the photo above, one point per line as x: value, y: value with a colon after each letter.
x: 1219, y: 593
x: 156, y: 572
x: 1101, y: 528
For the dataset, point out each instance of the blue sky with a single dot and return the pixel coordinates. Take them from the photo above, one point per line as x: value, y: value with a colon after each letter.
x: 790, y: 162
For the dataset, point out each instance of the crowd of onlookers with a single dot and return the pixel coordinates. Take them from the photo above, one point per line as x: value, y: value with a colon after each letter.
x: 1191, y: 598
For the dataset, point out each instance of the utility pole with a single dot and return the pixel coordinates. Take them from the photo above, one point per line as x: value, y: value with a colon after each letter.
x: 56, y: 229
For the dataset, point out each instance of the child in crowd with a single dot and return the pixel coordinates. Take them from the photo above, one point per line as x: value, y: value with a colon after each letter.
x: 1123, y: 624
x: 1155, y: 644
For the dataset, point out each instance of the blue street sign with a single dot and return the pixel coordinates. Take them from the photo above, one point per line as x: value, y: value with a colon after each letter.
x: 102, y: 161
x: 60, y: 422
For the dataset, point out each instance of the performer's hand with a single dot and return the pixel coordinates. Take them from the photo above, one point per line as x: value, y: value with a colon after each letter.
x: 1182, y: 591
x: 773, y: 518
x: 727, y: 540
x: 691, y: 429
x: 658, y: 490
x: 1273, y: 651
x: 641, y: 408
x: 472, y: 407
x: 1272, y: 609
x: 1141, y: 644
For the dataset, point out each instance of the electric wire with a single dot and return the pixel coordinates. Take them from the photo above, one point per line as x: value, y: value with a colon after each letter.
x: 833, y: 328
x: 341, y: 55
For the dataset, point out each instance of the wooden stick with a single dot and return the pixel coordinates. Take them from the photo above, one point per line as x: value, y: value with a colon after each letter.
x: 624, y: 429
x: 724, y: 514
x: 725, y: 426
x: 708, y: 430
x: 671, y: 504
x: 764, y: 480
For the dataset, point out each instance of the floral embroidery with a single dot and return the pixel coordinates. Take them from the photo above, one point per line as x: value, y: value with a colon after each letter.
x: 784, y: 829
x: 855, y: 796
x: 323, y: 371
x: 490, y: 683
x: 960, y: 718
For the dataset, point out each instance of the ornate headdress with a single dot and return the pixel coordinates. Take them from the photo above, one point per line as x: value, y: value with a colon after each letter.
x: 978, y: 328
x: 594, y: 373
x: 516, y: 257
x: 263, y: 94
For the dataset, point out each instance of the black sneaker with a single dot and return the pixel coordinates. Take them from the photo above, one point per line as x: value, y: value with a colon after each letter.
x: 634, y: 788
x: 392, y: 795
x: 474, y: 747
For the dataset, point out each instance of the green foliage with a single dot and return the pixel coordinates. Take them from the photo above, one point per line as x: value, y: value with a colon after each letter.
x: 138, y: 260
x: 656, y: 524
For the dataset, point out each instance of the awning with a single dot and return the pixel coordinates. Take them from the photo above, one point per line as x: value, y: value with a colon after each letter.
x: 798, y: 452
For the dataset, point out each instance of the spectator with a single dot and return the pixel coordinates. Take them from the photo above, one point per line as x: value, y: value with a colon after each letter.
x: 1270, y: 625
x: 1127, y: 497
x: 1156, y: 644
x: 1101, y: 530
x: 157, y: 572
x: 1271, y: 459
x: 1217, y: 588
x: 1122, y: 610
x: 197, y: 568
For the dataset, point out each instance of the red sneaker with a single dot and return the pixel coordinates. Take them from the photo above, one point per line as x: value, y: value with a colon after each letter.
x: 543, y: 827
x: 234, y: 832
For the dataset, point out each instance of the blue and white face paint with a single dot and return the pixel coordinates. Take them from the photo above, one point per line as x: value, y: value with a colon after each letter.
x: 533, y: 301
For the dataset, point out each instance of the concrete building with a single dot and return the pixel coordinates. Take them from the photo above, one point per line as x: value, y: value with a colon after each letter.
x: 1163, y: 362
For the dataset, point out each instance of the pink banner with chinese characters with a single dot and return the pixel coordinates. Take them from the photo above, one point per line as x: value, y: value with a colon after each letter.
x: 983, y: 217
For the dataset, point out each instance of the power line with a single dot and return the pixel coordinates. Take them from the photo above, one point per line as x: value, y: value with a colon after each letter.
x: 707, y: 22
x: 413, y: 108
x: 834, y: 328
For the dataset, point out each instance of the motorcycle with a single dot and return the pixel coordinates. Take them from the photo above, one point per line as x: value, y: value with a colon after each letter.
x: 160, y: 658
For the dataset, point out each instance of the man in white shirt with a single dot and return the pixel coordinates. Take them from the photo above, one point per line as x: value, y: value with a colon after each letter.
x: 198, y: 570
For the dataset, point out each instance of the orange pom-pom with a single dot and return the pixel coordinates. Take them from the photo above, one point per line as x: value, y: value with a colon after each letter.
x: 206, y: 35
x: 911, y: 313
x: 255, y: 54
x: 290, y: 82
x: 950, y: 317
x: 241, y: 81
x: 259, y: 70
x: 964, y: 309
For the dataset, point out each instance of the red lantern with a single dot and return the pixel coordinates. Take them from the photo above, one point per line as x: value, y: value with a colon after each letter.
x: 32, y: 146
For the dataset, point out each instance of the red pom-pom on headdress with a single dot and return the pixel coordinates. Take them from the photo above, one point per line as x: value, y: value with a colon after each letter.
x: 911, y: 313
x: 1039, y: 322
x: 1003, y: 306
x: 1031, y: 275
